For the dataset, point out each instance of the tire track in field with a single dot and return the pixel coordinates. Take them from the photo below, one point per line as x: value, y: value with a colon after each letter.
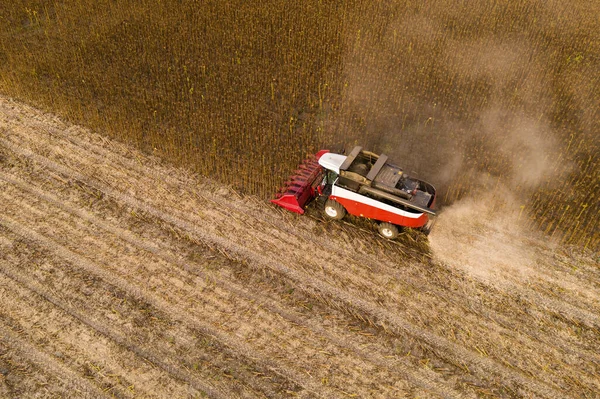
x: 140, y: 285
x: 535, y: 298
x: 126, y: 235
x: 341, y: 366
x: 160, y: 304
x: 311, y: 285
x: 102, y: 155
x: 215, y: 305
x: 45, y: 362
x: 110, y: 333
x: 39, y: 325
x: 136, y: 319
x: 417, y: 377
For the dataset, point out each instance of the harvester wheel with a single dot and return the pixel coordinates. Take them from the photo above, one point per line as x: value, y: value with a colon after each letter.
x: 334, y: 210
x: 388, y: 230
x: 427, y: 228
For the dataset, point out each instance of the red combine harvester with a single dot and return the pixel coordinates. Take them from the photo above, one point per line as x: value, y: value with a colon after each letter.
x: 362, y: 184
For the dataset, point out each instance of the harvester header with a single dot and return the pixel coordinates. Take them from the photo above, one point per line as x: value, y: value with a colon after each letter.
x: 301, y: 187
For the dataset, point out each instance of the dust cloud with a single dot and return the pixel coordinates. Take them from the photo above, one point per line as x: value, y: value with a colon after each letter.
x: 486, y: 232
x: 485, y: 239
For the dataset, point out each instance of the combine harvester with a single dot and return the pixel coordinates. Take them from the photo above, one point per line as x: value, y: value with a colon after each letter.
x: 362, y: 184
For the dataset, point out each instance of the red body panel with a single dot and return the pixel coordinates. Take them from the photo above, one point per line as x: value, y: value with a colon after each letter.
x: 301, y: 188
x: 360, y: 209
x: 292, y: 202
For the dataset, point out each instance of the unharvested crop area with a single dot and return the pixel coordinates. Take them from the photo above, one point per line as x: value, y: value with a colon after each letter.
x: 122, y: 277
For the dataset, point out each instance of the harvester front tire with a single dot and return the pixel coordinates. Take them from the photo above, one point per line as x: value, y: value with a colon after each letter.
x: 334, y: 210
x: 388, y: 230
x: 427, y: 228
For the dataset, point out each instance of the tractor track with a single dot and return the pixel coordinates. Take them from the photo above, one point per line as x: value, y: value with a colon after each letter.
x: 20, y: 314
x: 263, y: 302
x: 140, y: 293
x: 43, y: 361
x: 316, y: 287
x: 373, y: 289
x: 340, y: 342
x: 103, y: 327
x: 94, y: 303
x: 379, y: 360
x: 64, y: 252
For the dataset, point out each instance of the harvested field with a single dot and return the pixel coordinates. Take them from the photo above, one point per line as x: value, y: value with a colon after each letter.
x: 122, y: 277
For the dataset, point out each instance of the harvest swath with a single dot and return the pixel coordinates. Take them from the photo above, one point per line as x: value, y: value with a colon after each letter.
x: 123, y: 277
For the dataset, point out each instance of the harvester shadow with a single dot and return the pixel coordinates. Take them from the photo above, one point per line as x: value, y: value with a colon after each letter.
x: 362, y: 233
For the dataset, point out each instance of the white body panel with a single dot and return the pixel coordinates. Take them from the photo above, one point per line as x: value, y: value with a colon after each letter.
x: 332, y: 161
x: 343, y: 193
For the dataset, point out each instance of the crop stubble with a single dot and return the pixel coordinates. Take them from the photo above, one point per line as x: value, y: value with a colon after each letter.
x: 295, y: 303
